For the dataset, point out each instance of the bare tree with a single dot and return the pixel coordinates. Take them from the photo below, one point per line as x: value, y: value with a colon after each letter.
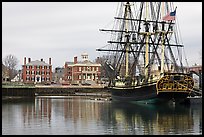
x: 101, y: 60
x: 10, y: 61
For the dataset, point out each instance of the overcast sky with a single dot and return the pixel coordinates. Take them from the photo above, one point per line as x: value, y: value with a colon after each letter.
x: 62, y: 30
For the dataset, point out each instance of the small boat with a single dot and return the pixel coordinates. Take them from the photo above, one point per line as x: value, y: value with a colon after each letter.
x: 143, y: 59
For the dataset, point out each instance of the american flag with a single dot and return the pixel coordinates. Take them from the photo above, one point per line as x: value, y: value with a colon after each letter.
x: 170, y: 16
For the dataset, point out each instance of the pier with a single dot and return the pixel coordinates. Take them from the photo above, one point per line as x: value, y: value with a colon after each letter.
x: 55, y: 91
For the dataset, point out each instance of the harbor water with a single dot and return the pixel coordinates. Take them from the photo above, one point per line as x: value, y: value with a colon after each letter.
x: 83, y: 115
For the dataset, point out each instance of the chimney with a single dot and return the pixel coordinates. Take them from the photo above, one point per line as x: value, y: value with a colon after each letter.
x: 50, y: 61
x: 29, y: 60
x: 98, y: 60
x: 41, y: 60
x: 75, y: 60
x: 24, y: 60
x: 65, y: 65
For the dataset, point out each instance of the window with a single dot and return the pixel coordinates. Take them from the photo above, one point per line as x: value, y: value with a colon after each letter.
x: 79, y: 76
x: 38, y: 79
x: 178, y: 78
x: 79, y: 68
x: 96, y: 68
x: 27, y: 78
x: 89, y: 76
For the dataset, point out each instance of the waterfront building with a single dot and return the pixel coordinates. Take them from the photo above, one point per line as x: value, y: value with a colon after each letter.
x: 58, y: 74
x: 18, y: 77
x: 36, y: 71
x: 196, y: 68
x: 82, y: 72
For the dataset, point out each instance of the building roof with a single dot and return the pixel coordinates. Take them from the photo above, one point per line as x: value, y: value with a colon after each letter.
x: 84, y: 53
x: 83, y: 63
x: 196, y: 66
x: 37, y: 63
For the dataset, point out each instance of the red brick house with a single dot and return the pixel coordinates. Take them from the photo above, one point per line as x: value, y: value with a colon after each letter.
x: 36, y: 71
x: 196, y: 68
x: 82, y: 72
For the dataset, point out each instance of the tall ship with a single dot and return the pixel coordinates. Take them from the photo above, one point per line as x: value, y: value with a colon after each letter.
x: 143, y: 59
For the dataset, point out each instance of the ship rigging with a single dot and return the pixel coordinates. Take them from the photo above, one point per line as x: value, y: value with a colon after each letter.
x: 144, y: 58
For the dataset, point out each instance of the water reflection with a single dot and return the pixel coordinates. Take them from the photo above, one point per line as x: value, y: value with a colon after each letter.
x: 150, y: 119
x: 80, y: 115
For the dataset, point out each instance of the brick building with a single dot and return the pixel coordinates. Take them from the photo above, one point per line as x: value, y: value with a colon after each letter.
x: 196, y: 68
x: 36, y: 71
x: 82, y: 72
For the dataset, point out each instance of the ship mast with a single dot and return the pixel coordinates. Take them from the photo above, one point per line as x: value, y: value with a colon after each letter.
x: 127, y: 10
x: 147, y: 46
x: 162, y: 44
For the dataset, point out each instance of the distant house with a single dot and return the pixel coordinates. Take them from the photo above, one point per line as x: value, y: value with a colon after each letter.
x: 36, y: 71
x: 58, y: 75
x: 18, y: 77
x: 195, y: 68
x: 82, y: 72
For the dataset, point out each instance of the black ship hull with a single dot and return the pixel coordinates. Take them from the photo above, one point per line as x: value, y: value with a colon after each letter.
x: 146, y: 94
